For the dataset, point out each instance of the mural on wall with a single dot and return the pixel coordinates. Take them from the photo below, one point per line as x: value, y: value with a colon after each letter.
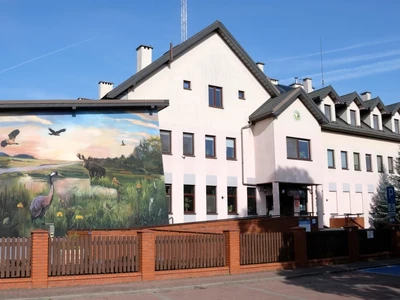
x: 87, y: 171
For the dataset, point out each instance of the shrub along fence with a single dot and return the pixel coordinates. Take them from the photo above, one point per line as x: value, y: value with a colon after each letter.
x: 150, y: 255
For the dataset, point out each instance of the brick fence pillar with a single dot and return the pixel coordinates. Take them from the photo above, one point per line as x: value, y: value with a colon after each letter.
x: 353, y: 242
x: 147, y: 255
x: 39, y: 258
x: 300, y: 245
x: 232, y: 244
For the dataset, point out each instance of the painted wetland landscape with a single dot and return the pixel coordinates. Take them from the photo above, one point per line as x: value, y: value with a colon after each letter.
x: 87, y: 171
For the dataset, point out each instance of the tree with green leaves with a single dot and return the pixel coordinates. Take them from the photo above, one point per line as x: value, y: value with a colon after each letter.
x: 379, y: 206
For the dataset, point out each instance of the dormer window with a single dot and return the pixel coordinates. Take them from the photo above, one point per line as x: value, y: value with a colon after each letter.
x: 376, y: 122
x: 328, y: 112
x: 352, y: 117
x: 396, y: 126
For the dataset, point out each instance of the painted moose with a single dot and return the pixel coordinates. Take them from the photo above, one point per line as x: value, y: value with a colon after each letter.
x: 94, y: 169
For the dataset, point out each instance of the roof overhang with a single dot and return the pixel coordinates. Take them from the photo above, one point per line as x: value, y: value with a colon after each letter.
x: 68, y: 105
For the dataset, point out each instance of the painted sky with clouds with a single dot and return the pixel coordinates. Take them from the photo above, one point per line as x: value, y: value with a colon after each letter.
x: 91, y: 134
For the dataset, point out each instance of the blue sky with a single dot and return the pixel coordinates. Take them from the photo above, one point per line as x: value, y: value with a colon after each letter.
x: 360, y: 40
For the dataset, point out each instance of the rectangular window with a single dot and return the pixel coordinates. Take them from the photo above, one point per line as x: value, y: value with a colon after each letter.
x: 241, y: 95
x: 251, y: 201
x: 188, y: 144
x: 396, y: 126
x: 376, y: 123
x: 168, y: 193
x: 230, y: 148
x: 210, y: 146
x: 331, y: 159
x: 188, y: 199
x: 232, y: 200
x: 356, y: 158
x: 343, y: 155
x: 328, y: 112
x: 390, y: 165
x: 298, y: 148
x: 353, y: 117
x: 215, y: 96
x: 379, y: 161
x: 368, y: 162
x: 211, y: 199
x: 165, y: 141
x: 186, y: 85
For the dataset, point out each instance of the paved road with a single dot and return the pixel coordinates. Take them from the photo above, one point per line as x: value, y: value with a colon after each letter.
x: 363, y: 284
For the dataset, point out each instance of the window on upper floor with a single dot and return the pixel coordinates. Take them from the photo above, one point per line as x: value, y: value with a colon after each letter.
x: 345, y: 165
x: 188, y: 144
x: 379, y: 161
x: 376, y: 121
x: 168, y: 193
x: 353, y: 117
x: 210, y: 146
x: 232, y: 200
x: 251, y: 201
x: 189, y: 199
x: 211, y: 199
x: 241, y: 95
x: 396, y: 126
x: 230, y: 148
x: 165, y: 141
x: 328, y: 112
x: 368, y: 162
x: 187, y: 85
x: 298, y: 148
x: 356, y: 158
x: 331, y: 159
x: 390, y: 164
x: 215, y: 96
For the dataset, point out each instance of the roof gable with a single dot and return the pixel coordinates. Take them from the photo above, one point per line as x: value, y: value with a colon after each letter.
x: 273, y: 107
x: 393, y: 108
x: 376, y: 102
x: 320, y: 95
x: 181, y: 49
x: 353, y: 97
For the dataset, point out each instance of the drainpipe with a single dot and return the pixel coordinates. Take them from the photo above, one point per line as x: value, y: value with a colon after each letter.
x: 241, y: 143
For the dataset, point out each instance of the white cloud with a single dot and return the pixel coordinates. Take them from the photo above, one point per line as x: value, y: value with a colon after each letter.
x: 24, y: 119
x: 351, y: 47
x: 138, y: 122
x: 356, y: 72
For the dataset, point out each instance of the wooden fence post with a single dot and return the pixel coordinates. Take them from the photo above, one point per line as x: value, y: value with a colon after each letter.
x: 147, y: 255
x: 353, y: 241
x: 300, y: 245
x: 232, y: 244
x: 39, y: 258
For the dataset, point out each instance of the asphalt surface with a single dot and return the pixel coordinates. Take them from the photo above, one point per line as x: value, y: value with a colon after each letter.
x: 365, y: 280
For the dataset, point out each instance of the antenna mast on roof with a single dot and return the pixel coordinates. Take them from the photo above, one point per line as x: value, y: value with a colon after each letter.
x: 322, y: 63
x: 183, y: 20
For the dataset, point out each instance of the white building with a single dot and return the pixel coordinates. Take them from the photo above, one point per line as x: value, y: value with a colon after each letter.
x: 236, y: 143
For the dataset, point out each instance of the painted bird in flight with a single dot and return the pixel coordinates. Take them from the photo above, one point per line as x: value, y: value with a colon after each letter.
x: 123, y: 143
x: 56, y: 133
x: 11, y: 138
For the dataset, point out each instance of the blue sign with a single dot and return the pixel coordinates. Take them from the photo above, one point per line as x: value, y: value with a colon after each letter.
x: 391, y: 199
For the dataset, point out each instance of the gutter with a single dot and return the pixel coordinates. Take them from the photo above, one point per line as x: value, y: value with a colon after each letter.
x: 241, y: 144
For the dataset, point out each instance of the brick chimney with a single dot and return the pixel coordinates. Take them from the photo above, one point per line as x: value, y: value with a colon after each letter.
x: 104, y: 88
x: 260, y: 65
x: 366, y: 96
x: 307, y: 83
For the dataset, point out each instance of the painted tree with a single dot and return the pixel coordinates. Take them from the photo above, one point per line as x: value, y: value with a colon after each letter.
x: 395, y: 181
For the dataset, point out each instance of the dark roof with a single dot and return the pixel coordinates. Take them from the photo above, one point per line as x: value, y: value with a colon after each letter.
x: 275, y: 106
x: 364, y: 130
x: 392, y: 108
x: 349, y: 98
x: 85, y: 104
x: 216, y: 27
x: 284, y: 88
x: 371, y: 104
x: 320, y: 94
